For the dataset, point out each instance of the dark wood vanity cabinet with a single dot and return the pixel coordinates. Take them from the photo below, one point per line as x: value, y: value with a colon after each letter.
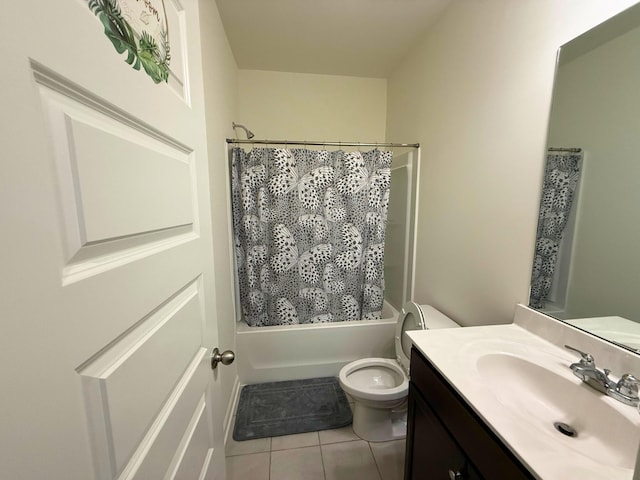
x: 446, y: 439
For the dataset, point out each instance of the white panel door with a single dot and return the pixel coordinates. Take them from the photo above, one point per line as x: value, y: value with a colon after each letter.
x: 106, y: 276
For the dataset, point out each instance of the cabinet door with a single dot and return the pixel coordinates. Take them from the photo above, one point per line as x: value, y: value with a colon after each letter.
x: 432, y: 453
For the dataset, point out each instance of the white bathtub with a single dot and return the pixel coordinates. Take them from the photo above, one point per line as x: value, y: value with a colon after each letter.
x: 291, y: 352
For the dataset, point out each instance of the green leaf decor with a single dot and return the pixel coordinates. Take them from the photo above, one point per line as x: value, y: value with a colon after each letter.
x: 141, y: 49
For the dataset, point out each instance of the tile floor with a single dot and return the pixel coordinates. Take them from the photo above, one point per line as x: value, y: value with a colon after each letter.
x: 327, y: 455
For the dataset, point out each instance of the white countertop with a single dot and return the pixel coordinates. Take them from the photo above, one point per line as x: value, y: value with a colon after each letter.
x: 546, y: 453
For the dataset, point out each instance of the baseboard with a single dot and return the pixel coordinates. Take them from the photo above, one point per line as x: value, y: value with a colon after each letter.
x: 231, y: 410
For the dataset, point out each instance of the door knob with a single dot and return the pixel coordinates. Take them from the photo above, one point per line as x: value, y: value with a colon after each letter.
x: 226, y: 358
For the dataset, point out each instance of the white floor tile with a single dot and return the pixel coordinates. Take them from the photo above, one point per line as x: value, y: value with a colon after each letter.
x: 349, y: 461
x: 390, y: 458
x: 244, y: 467
x: 248, y: 446
x: 297, y: 464
x: 344, y: 434
x: 295, y: 441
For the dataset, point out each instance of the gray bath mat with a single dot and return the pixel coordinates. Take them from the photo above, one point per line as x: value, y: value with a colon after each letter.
x: 295, y: 406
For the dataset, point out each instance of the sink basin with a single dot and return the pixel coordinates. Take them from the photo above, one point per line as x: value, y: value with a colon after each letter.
x: 519, y: 383
x: 542, y: 397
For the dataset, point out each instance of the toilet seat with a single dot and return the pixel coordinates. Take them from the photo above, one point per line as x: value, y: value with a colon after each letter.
x: 417, y: 317
x: 410, y: 318
x: 379, y: 386
x: 374, y: 391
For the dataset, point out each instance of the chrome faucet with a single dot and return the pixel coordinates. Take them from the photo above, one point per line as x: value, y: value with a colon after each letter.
x: 624, y: 390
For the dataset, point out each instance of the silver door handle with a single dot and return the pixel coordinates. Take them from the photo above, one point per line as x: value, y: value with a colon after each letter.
x: 226, y: 358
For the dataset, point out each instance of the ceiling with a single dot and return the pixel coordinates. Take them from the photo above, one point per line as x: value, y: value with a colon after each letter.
x: 364, y: 38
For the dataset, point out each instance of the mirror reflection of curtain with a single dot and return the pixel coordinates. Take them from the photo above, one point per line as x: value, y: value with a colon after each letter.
x: 561, y: 177
x: 309, y: 229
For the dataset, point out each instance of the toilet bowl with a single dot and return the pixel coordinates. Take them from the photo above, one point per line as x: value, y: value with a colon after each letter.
x: 379, y: 386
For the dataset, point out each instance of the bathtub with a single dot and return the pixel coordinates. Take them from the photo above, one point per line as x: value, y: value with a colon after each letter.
x: 292, y: 352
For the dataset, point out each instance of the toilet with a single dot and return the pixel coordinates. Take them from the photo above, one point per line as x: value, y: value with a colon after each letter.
x: 379, y: 386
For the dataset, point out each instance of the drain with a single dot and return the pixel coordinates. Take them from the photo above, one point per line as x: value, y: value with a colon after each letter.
x: 565, y: 429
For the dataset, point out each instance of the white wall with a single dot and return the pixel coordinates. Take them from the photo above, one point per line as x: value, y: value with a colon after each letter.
x: 299, y: 106
x: 220, y: 81
x: 596, y: 108
x: 476, y: 93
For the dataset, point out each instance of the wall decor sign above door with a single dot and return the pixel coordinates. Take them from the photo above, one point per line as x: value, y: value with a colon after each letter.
x: 138, y: 28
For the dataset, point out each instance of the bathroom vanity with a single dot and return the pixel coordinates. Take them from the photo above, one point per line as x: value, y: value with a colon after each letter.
x: 445, y: 437
x: 503, y: 402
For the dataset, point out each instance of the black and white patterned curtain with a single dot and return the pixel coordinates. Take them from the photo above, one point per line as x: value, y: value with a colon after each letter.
x: 309, y: 230
x: 560, y: 181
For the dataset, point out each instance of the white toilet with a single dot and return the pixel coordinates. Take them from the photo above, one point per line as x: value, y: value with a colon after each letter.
x: 379, y: 386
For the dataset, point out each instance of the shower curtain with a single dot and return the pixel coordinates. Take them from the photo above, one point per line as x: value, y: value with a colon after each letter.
x: 309, y: 229
x: 560, y: 181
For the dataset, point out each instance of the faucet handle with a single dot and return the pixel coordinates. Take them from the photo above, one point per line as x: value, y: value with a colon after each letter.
x: 587, y: 358
x: 628, y: 385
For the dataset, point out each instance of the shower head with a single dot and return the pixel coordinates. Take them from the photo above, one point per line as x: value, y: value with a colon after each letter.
x: 246, y: 130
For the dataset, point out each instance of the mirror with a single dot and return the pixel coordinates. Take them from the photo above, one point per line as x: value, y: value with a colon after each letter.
x: 587, y: 261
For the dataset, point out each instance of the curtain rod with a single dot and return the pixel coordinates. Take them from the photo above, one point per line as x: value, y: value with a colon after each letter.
x: 558, y: 149
x: 328, y: 144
